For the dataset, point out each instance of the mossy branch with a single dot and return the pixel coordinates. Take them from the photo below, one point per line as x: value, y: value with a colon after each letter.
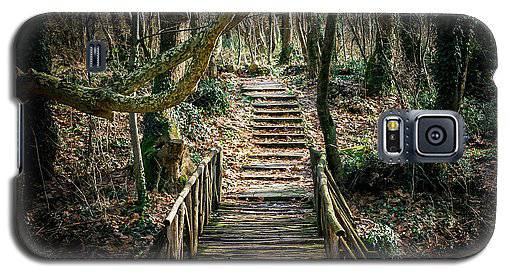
x: 117, y: 97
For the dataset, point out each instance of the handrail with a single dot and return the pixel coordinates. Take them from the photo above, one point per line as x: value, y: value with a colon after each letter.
x: 191, y: 210
x: 334, y: 218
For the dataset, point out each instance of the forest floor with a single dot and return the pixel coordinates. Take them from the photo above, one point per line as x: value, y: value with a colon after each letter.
x: 92, y: 207
x: 407, y: 220
x: 89, y: 209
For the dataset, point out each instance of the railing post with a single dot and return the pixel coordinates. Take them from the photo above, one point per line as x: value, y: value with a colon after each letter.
x: 334, y: 218
x: 190, y: 221
x: 202, y: 200
x: 173, y: 238
x: 219, y: 172
x: 192, y: 209
x: 196, y: 217
x: 180, y: 236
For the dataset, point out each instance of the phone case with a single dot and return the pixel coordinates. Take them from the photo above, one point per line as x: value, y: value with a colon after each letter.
x: 250, y: 136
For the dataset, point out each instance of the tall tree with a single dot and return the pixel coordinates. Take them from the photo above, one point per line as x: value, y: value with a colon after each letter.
x: 212, y: 70
x: 454, y: 35
x: 408, y: 34
x: 286, y: 39
x: 160, y: 126
x: 40, y: 135
x: 312, y: 45
x: 139, y: 172
x: 299, y: 26
x: 326, y: 122
x: 378, y: 76
x: 270, y: 44
x: 482, y: 64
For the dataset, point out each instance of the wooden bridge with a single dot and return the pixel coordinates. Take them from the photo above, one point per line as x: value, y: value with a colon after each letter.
x: 285, y: 212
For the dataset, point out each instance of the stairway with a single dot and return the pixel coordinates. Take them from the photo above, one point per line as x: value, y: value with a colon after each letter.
x: 272, y: 217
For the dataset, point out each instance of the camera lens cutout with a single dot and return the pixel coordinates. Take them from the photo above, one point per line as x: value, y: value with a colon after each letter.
x: 436, y: 135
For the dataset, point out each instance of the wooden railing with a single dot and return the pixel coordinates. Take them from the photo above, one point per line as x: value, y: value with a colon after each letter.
x: 334, y: 218
x: 191, y: 210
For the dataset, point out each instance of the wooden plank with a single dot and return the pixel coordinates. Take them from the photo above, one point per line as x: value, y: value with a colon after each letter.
x: 264, y: 87
x: 277, y: 127
x: 268, y: 96
x: 306, y: 224
x: 261, y: 229
x: 273, y: 195
x: 270, y: 177
x: 233, y: 235
x: 264, y: 210
x: 260, y: 241
x: 278, y: 155
x: 278, y: 119
x: 282, y: 144
x: 280, y: 135
x: 268, y: 248
x: 276, y: 105
x: 267, y: 166
x: 258, y: 224
x: 236, y: 256
x: 277, y: 112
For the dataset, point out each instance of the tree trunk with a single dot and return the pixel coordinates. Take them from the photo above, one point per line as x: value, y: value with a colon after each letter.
x: 160, y: 125
x: 409, y: 40
x: 326, y: 122
x: 302, y: 38
x: 452, y: 58
x: 270, y: 48
x: 286, y: 39
x: 173, y: 23
x: 378, y: 78
x: 261, y: 35
x: 139, y: 173
x: 312, y: 45
x: 39, y: 134
x: 212, y: 70
x: 343, y: 40
x: 239, y: 46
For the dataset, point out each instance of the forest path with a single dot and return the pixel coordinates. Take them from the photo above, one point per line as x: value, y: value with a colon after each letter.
x: 271, y: 217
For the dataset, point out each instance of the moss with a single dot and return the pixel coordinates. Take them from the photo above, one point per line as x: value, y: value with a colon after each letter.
x: 183, y: 179
x: 157, y: 126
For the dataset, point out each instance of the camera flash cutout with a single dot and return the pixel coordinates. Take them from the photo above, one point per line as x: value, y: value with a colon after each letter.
x: 393, y: 125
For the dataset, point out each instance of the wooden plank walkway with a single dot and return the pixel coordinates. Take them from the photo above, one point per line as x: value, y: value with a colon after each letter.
x: 273, y: 217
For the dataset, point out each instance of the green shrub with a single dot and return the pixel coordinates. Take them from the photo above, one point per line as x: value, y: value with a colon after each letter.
x: 480, y: 118
x: 383, y: 239
x: 190, y: 121
x: 211, y: 96
x: 427, y: 99
x: 351, y: 69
